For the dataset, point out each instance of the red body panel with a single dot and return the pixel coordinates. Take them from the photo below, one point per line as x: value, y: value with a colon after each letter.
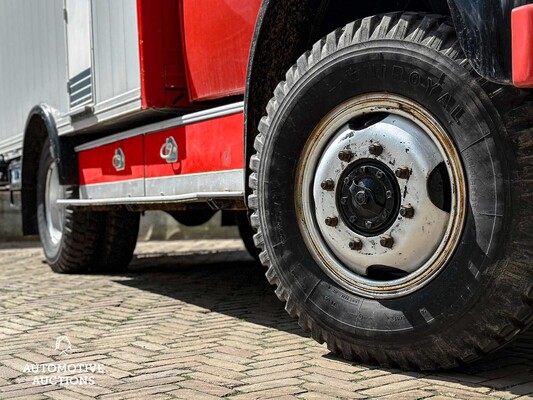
x: 215, y: 145
x: 522, y: 30
x: 217, y: 35
x: 96, y: 165
x: 163, y: 81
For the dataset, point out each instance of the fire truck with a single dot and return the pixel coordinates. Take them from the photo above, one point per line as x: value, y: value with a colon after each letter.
x: 378, y: 154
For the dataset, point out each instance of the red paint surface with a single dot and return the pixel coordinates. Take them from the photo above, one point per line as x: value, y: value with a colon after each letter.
x: 217, y: 37
x: 215, y: 145
x: 163, y: 80
x: 96, y: 165
x: 522, y: 32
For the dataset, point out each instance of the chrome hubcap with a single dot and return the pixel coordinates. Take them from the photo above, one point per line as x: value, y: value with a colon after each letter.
x: 55, y: 213
x: 381, y: 196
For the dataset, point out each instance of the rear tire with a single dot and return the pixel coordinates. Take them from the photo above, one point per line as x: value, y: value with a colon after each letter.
x: 247, y: 233
x: 75, y: 241
x: 482, y: 297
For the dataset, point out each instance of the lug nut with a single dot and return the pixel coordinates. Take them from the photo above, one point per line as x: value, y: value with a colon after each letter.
x: 345, y: 155
x: 331, y: 221
x: 353, y: 219
x: 369, y: 224
x: 388, y: 194
x: 328, y: 185
x: 379, y: 174
x: 407, y: 211
x: 356, y: 244
x: 403, y: 172
x: 387, y: 241
x: 375, y: 149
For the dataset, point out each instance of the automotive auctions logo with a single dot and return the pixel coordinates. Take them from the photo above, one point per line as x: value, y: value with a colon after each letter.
x: 63, y: 374
x: 63, y: 345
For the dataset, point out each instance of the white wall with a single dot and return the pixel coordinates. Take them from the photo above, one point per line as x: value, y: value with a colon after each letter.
x: 32, y: 61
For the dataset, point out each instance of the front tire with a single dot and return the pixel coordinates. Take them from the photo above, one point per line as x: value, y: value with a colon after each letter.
x: 418, y: 316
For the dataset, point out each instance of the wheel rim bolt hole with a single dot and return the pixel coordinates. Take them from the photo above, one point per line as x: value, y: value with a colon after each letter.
x: 328, y: 185
x: 407, y: 211
x: 376, y: 149
x: 386, y: 241
x: 332, y: 221
x: 345, y: 155
x: 403, y: 172
x: 356, y: 244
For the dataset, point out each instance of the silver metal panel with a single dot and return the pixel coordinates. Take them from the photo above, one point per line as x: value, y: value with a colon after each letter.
x: 32, y: 63
x: 169, y: 187
x: 131, y: 188
x: 223, y: 181
x: 200, y: 116
x: 116, y: 49
x: 186, y: 198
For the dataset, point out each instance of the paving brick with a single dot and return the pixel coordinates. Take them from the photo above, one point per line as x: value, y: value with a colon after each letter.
x: 269, y: 393
x: 411, y: 394
x: 396, y: 387
x: 201, y: 326
x: 332, y: 391
x: 205, y: 387
x: 254, y: 387
x: 333, y: 382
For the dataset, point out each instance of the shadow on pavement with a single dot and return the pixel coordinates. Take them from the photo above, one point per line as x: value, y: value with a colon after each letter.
x: 229, y: 282
x: 232, y: 284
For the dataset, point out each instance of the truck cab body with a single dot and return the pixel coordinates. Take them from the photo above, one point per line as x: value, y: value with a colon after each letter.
x: 380, y: 152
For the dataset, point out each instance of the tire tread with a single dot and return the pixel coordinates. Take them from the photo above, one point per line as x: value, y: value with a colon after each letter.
x: 438, y: 33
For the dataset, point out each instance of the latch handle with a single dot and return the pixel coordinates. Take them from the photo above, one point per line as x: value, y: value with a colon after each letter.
x: 169, y: 150
x: 119, y: 160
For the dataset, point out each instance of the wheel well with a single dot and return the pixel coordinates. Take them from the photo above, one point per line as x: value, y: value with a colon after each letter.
x: 286, y: 29
x: 34, y: 138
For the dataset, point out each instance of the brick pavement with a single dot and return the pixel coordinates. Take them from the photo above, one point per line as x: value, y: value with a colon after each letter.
x: 197, y: 320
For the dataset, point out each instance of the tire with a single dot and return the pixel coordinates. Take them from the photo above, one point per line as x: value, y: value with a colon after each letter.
x: 482, y: 296
x: 247, y: 233
x: 84, y: 241
x: 117, y: 241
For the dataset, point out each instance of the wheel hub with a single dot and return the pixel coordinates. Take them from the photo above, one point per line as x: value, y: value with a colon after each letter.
x: 368, y: 197
x: 368, y: 211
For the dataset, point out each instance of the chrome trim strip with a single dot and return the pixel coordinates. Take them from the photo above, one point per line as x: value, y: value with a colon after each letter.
x: 189, y: 197
x: 187, y: 119
x: 129, y: 188
x: 218, y: 181
x: 168, y: 186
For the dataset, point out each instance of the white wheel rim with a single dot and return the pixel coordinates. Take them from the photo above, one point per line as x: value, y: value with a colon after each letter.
x: 55, y: 213
x: 420, y: 256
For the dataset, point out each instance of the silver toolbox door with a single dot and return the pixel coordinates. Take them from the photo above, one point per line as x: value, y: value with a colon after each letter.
x: 79, y: 53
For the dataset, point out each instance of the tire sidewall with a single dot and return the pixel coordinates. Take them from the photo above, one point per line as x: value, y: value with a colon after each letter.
x: 452, y: 95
